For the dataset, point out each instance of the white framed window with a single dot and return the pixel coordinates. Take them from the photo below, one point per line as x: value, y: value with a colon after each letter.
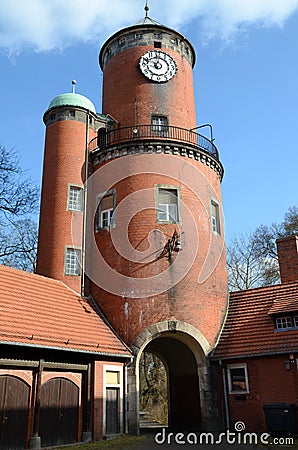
x: 105, y: 210
x: 295, y: 321
x: 72, y: 261
x: 113, y: 399
x: 282, y: 323
x: 215, y: 216
x: 159, y: 124
x: 75, y: 198
x: 238, y: 379
x: 167, y: 204
x: 106, y: 218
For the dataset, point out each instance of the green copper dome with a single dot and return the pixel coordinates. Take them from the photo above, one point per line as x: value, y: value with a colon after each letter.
x: 72, y: 99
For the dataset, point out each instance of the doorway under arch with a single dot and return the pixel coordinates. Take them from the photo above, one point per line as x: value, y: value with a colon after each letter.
x: 183, y: 390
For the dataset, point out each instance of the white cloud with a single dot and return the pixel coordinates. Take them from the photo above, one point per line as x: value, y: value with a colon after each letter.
x: 45, y: 25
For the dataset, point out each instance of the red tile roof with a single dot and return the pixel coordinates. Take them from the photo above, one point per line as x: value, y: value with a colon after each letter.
x: 40, y: 311
x: 249, y: 328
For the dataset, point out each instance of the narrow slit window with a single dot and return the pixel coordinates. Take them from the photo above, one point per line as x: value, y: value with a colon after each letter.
x: 215, y: 217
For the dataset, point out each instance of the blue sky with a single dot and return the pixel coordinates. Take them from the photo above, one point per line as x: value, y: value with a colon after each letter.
x: 245, y: 82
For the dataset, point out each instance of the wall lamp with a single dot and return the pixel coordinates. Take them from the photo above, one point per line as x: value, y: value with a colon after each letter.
x: 289, y: 362
x: 172, y: 245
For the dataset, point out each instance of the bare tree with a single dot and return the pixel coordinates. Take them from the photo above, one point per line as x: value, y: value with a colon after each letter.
x: 153, y: 388
x: 18, y: 245
x: 252, y: 258
x: 18, y: 203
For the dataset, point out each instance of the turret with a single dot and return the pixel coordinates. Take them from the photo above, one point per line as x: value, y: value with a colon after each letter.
x: 70, y: 120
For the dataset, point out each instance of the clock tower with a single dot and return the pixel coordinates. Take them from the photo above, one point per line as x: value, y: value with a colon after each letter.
x: 131, y: 214
x: 155, y: 251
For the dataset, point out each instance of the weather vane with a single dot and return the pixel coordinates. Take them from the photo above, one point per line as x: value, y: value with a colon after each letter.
x: 146, y: 8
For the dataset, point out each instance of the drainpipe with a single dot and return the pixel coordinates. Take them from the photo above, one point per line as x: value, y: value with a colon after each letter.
x: 225, y: 394
x: 85, y: 206
x: 127, y: 366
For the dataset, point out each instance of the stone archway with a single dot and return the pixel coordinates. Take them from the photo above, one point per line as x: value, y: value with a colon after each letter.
x: 189, y: 382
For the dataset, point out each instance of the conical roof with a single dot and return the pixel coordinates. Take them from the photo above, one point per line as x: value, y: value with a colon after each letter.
x: 148, y: 21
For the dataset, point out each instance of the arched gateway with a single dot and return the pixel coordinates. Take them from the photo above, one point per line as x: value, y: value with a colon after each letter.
x: 183, y: 349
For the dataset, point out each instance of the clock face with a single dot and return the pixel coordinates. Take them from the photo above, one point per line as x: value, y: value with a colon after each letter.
x: 158, y: 66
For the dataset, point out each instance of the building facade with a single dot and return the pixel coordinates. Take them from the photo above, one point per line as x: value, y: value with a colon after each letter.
x: 257, y: 355
x: 131, y: 212
x: 131, y: 259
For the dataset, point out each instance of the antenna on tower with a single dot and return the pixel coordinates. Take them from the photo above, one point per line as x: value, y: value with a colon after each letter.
x: 146, y: 8
x: 73, y: 86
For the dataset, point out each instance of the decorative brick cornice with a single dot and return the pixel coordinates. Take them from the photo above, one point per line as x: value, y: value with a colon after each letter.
x: 186, y: 150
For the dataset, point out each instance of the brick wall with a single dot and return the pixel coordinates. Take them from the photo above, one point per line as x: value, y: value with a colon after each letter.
x: 64, y: 160
x: 131, y: 99
x: 269, y: 382
x: 199, y: 303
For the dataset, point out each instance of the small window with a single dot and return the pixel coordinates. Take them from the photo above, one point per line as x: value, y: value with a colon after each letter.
x: 121, y: 42
x: 167, y: 205
x: 159, y: 124
x: 72, y: 113
x: 157, y: 35
x: 237, y: 379
x: 75, y: 199
x: 72, y: 261
x: 52, y: 116
x: 215, y: 221
x: 106, y: 218
x: 112, y: 377
x: 296, y: 321
x: 283, y: 323
x: 157, y: 44
x: 138, y: 35
x: 105, y: 211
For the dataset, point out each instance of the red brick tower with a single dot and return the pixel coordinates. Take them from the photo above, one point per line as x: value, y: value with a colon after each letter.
x: 148, y: 90
x: 71, y: 121
x: 157, y: 263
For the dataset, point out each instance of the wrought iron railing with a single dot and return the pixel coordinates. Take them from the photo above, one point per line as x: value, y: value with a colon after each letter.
x: 107, y: 139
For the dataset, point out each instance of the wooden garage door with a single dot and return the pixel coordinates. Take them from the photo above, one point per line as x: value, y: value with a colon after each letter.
x: 14, y: 401
x: 59, y: 401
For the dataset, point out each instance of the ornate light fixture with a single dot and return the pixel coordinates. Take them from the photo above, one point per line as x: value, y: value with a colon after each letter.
x: 173, y: 245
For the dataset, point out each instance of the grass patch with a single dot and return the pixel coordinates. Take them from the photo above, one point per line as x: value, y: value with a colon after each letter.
x: 121, y: 442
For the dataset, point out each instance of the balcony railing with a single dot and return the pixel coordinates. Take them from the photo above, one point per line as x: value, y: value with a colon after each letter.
x: 106, y: 139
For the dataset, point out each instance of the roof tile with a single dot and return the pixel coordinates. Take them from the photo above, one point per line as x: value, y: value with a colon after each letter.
x: 249, y: 328
x: 40, y: 311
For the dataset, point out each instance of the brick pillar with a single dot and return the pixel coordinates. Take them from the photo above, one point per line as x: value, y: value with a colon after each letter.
x: 287, y: 249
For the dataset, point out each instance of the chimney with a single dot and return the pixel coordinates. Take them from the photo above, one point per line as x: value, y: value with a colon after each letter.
x: 287, y: 249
